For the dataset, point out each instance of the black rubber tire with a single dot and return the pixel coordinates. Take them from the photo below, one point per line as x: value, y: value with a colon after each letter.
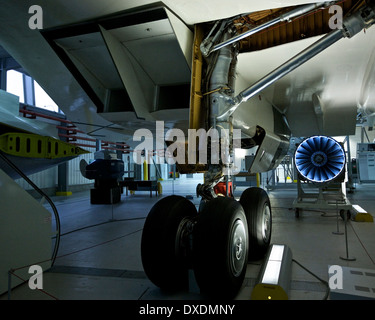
x: 212, y: 246
x: 162, y: 264
x: 253, y: 201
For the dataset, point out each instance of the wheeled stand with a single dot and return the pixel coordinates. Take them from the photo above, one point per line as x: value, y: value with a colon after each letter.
x: 323, y: 197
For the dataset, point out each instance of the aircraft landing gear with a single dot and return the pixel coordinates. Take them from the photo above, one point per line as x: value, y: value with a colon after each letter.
x: 216, y: 242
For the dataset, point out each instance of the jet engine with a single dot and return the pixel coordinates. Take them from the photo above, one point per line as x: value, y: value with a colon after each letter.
x: 320, y: 159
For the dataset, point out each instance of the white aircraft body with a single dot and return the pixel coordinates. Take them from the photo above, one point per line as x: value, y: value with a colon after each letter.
x: 271, y: 69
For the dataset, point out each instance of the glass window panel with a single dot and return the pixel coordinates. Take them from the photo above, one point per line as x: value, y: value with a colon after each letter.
x: 43, y: 100
x: 15, y: 84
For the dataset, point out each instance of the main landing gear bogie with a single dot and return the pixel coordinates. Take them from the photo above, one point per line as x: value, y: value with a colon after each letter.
x: 216, y: 242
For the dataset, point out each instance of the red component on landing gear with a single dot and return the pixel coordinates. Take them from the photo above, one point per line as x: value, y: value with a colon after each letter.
x: 221, y: 188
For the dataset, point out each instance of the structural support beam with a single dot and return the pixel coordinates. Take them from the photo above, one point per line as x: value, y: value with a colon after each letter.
x: 62, y: 174
x: 29, y: 90
x: 3, y: 79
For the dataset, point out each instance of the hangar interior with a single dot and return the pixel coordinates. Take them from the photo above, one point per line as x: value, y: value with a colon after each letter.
x: 82, y: 226
x: 98, y: 255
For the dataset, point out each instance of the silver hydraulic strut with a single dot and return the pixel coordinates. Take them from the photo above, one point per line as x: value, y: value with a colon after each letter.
x: 353, y: 24
x: 300, y: 11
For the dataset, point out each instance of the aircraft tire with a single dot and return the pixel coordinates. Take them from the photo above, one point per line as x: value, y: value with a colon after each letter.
x: 162, y: 263
x: 257, y: 207
x: 220, y: 248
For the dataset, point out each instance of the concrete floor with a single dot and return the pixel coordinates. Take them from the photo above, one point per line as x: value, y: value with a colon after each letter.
x: 99, y: 254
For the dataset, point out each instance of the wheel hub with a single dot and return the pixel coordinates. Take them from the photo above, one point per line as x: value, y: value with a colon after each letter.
x: 239, y: 250
x: 266, y: 230
x: 238, y: 244
x: 182, y: 245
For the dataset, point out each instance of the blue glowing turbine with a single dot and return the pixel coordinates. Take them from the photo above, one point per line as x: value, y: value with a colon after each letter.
x: 320, y: 159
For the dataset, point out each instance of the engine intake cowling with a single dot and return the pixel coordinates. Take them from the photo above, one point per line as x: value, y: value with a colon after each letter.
x: 320, y: 159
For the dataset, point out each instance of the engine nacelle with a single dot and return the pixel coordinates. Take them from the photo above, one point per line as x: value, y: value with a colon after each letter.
x: 320, y: 159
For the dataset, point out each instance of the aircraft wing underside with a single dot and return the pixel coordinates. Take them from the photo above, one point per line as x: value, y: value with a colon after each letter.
x: 113, y: 69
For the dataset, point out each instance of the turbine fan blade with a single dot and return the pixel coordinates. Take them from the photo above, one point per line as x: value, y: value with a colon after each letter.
x: 320, y: 159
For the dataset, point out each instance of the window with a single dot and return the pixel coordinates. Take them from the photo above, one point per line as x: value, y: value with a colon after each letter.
x: 43, y: 100
x: 15, y: 84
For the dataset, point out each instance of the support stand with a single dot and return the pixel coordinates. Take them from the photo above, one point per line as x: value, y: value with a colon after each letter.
x: 320, y: 197
x: 337, y: 232
x: 112, y: 212
x: 347, y: 258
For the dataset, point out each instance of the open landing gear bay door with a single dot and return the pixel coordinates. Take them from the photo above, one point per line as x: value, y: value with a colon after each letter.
x: 134, y: 66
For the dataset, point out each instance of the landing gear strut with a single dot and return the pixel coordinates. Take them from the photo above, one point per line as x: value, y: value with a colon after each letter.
x: 215, y: 242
